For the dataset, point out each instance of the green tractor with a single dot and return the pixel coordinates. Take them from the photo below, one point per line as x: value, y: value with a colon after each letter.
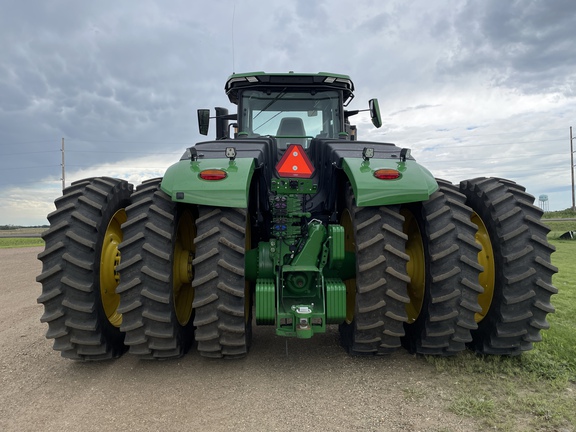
x: 286, y: 219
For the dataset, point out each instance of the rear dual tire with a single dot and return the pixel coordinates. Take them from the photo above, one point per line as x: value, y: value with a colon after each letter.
x: 222, y: 296
x: 155, y: 289
x: 79, y: 269
x: 416, y: 278
x: 517, y: 277
x: 183, y: 278
x: 443, y: 272
x: 376, y: 297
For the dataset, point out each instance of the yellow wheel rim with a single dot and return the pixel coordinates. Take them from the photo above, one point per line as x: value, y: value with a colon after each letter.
x: 183, y: 293
x: 349, y: 246
x: 416, y: 267
x: 486, y: 259
x: 109, y: 259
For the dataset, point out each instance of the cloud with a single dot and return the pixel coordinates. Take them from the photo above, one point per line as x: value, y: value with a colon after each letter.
x: 521, y: 45
x: 30, y: 204
x: 34, y: 202
x: 414, y: 108
x: 459, y: 83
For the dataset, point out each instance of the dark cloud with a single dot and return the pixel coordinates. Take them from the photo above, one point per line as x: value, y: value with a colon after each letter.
x: 312, y: 12
x: 379, y: 23
x: 524, y: 45
x: 104, y: 77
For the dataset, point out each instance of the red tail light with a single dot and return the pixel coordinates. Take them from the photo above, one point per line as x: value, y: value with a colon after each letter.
x: 386, y: 174
x: 295, y: 163
x: 212, y: 174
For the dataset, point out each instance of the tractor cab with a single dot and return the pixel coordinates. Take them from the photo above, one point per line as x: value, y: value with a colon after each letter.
x: 294, y: 117
x: 292, y: 108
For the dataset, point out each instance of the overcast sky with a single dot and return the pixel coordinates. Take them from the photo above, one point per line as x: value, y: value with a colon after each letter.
x: 475, y: 88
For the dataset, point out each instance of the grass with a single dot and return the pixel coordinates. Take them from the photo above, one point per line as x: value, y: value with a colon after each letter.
x: 18, y: 242
x: 559, y: 228
x: 15, y: 231
x: 568, y: 213
x: 21, y: 237
x: 535, y: 391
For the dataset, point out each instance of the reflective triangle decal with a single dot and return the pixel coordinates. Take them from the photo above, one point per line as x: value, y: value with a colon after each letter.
x: 295, y: 163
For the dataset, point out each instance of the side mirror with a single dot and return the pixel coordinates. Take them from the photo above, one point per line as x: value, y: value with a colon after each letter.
x: 375, y: 113
x: 203, y: 121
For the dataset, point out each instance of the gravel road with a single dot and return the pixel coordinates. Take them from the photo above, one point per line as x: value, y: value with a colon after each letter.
x: 313, y: 385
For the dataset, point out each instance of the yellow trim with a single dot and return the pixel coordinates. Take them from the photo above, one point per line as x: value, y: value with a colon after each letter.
x: 183, y: 293
x: 416, y: 266
x: 109, y: 259
x: 486, y: 258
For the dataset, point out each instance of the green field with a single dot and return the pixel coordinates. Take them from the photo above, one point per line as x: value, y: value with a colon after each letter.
x: 563, y: 214
x: 18, y: 242
x: 559, y: 228
x: 536, y: 391
x: 21, y: 237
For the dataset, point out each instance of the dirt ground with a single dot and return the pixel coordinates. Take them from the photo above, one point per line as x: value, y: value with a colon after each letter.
x: 304, y: 385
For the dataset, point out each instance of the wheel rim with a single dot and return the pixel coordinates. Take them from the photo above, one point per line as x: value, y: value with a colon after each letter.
x: 349, y: 246
x: 109, y: 259
x: 486, y: 259
x: 183, y: 293
x: 416, y: 267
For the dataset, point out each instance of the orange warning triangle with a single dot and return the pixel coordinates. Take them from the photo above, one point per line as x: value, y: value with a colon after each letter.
x: 295, y: 163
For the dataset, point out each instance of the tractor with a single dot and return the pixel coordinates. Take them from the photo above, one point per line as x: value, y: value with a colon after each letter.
x: 286, y: 219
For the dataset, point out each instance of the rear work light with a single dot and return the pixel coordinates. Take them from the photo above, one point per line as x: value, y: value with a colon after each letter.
x: 213, y: 174
x: 295, y: 163
x: 386, y: 174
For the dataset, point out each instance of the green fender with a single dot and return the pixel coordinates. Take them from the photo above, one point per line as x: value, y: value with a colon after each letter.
x: 415, y: 183
x: 183, y: 183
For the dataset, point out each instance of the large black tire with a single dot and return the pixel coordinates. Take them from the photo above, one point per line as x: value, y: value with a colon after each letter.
x: 155, y: 290
x: 444, y: 273
x: 78, y: 269
x: 517, y: 277
x: 222, y: 300
x: 376, y: 297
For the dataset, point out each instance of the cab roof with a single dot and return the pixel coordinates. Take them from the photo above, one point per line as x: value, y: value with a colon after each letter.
x: 289, y: 80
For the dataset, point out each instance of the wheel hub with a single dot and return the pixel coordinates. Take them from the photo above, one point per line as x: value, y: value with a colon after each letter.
x: 109, y: 260
x: 416, y: 267
x: 183, y: 293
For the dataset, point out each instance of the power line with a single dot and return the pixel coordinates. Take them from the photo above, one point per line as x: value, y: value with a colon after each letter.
x: 464, y: 145
x: 27, y: 153
x: 473, y: 133
x: 500, y: 133
x: 120, y: 152
x: 29, y: 167
x: 464, y: 138
x: 30, y: 142
x: 123, y: 168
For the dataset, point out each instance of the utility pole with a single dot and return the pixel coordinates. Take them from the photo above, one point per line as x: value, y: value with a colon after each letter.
x: 572, y: 167
x: 64, y: 168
